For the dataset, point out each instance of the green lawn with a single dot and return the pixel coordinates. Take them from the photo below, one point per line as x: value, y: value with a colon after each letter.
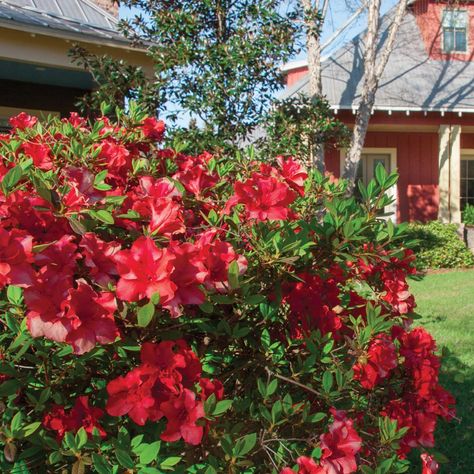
x: 446, y: 303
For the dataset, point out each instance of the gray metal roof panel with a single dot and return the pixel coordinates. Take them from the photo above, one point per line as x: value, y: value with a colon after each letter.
x: 411, y: 79
x: 82, y: 11
x: 11, y: 11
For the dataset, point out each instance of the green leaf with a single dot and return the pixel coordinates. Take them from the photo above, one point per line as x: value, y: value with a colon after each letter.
x: 124, y: 459
x: 145, y: 314
x: 245, y: 445
x: 222, y: 407
x: 28, y: 430
x: 16, y: 423
x: 103, y: 216
x: 69, y: 441
x: 77, y: 226
x: 9, y: 387
x: 150, y: 452
x: 11, y: 179
x: 81, y: 438
x: 14, y: 295
x: 155, y: 298
x: 327, y: 381
x: 233, y: 275
x: 207, y: 307
x: 100, y: 464
x: 271, y: 387
x: 169, y: 463
x: 254, y: 299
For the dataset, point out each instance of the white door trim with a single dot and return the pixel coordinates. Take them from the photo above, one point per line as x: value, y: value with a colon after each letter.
x: 393, y: 190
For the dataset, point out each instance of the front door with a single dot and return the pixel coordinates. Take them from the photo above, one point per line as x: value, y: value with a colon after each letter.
x: 368, y: 164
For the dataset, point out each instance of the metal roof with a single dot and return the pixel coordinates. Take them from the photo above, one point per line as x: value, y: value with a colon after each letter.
x: 75, y: 19
x: 411, y: 81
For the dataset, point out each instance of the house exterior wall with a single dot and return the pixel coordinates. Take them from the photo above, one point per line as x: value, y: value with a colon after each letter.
x: 294, y: 75
x: 417, y: 140
x: 417, y: 162
x: 429, y: 14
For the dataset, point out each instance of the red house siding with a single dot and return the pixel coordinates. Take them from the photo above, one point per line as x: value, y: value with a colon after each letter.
x: 429, y: 15
x: 294, y: 75
x: 417, y: 163
x: 467, y: 141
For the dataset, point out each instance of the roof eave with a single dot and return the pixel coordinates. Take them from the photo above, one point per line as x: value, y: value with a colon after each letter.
x: 82, y: 37
x: 384, y: 108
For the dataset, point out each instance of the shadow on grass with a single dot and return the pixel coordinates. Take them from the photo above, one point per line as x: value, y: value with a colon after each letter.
x: 455, y: 439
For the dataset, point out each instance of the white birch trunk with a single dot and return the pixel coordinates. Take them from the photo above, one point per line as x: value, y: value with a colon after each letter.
x: 373, y: 70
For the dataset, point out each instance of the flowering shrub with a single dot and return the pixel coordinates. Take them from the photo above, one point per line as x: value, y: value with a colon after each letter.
x: 164, y: 312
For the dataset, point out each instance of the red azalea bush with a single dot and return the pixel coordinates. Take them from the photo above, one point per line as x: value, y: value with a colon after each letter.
x: 199, y: 314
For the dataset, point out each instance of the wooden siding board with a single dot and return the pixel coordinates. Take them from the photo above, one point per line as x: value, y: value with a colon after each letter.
x: 417, y: 161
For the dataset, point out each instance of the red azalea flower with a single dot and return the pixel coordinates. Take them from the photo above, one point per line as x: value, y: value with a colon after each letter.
x: 188, y: 274
x: 99, y: 258
x: 40, y: 153
x: 76, y: 120
x: 306, y: 465
x: 217, y: 256
x: 166, y: 370
x: 60, y: 255
x: 80, y: 317
x: 293, y: 173
x: 153, y: 128
x: 157, y: 200
x: 94, y: 321
x: 16, y: 254
x: 209, y: 387
x: 197, y: 180
x: 182, y: 414
x: 80, y: 416
x: 22, y: 121
x: 265, y: 198
x: 311, y: 302
x: 429, y: 464
x: 145, y: 270
x: 56, y: 420
x: 132, y: 395
x: 340, y: 445
x: 82, y: 192
x: 116, y: 157
x: 381, y: 359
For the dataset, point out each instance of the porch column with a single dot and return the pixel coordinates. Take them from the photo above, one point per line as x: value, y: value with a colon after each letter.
x: 449, y: 173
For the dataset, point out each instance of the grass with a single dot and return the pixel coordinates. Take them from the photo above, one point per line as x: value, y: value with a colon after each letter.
x: 446, y: 303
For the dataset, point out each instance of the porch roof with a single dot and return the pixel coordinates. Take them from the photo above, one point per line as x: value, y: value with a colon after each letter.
x: 78, y: 20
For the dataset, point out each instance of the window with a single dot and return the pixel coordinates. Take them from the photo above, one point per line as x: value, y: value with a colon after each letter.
x: 455, y: 31
x: 467, y: 180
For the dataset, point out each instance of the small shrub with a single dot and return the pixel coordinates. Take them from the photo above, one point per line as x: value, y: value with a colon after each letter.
x: 468, y: 215
x: 199, y: 315
x: 438, y: 246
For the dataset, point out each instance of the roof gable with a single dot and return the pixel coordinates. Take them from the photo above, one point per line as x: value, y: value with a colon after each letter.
x: 412, y: 80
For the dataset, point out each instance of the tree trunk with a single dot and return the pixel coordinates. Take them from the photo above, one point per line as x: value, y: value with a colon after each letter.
x: 314, y: 19
x: 373, y: 71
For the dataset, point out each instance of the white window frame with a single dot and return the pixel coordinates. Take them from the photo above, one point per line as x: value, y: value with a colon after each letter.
x: 467, y: 154
x: 392, y: 209
x: 455, y: 51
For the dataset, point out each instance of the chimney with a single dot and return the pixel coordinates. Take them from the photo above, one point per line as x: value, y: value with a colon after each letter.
x: 111, y: 6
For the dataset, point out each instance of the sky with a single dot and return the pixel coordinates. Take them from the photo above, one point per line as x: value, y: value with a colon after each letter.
x: 337, y: 14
